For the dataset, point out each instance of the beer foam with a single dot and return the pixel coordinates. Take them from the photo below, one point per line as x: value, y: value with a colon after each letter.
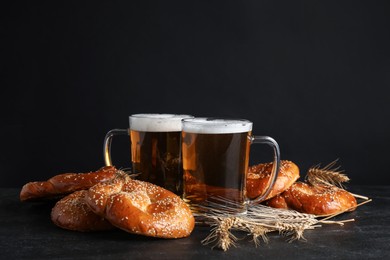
x: 216, y: 126
x: 157, y: 122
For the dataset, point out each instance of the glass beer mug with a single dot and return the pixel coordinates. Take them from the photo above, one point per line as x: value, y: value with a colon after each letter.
x: 215, y: 162
x: 155, y: 148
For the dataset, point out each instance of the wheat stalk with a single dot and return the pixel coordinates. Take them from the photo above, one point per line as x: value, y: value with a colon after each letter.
x: 328, y: 175
x: 257, y: 222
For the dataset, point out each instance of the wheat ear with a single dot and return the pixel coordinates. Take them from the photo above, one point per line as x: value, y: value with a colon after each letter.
x: 328, y: 175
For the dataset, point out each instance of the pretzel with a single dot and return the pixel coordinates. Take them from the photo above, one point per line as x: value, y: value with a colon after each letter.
x: 260, y: 174
x: 314, y: 199
x: 71, y: 212
x: 66, y: 183
x: 141, y: 208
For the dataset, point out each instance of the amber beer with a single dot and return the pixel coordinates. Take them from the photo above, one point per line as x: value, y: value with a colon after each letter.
x: 156, y: 157
x: 215, y: 163
x: 156, y: 149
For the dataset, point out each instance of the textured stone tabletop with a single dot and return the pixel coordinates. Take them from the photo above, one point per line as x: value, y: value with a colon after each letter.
x: 26, y: 232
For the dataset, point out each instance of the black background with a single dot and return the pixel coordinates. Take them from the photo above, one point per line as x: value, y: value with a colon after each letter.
x: 312, y: 74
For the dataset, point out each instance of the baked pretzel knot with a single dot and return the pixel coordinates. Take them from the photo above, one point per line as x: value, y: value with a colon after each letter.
x: 260, y: 174
x: 71, y: 212
x: 66, y: 183
x: 141, y: 208
x: 314, y: 199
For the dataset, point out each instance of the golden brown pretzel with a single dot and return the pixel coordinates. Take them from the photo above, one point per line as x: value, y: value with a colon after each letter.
x: 141, y: 208
x: 314, y: 199
x: 260, y: 174
x: 66, y: 183
x: 71, y: 212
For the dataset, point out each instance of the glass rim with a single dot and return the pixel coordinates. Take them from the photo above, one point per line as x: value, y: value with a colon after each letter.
x: 210, y: 125
x: 157, y: 116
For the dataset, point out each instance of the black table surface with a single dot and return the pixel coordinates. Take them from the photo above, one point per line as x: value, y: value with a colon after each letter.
x: 26, y: 232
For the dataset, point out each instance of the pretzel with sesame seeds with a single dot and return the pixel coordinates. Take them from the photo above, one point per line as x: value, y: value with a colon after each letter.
x: 260, y: 174
x: 73, y: 213
x: 66, y: 183
x: 141, y: 208
x: 314, y: 199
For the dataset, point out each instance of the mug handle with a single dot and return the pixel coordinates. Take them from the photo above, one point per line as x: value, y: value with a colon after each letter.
x: 107, y: 143
x: 276, y: 165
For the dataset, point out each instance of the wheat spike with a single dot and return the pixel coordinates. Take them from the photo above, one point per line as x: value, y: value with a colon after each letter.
x: 220, y: 234
x: 328, y: 175
x: 258, y: 232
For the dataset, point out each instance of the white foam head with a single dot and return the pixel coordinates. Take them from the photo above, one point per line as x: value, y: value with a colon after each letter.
x: 156, y: 122
x: 216, y: 126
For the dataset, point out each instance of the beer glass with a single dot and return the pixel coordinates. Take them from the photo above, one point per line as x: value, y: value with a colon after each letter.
x: 155, y: 148
x: 215, y: 156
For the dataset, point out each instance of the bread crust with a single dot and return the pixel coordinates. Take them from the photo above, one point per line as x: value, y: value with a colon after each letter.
x: 66, y: 183
x: 259, y: 175
x: 314, y: 199
x: 141, y: 208
x: 73, y: 213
